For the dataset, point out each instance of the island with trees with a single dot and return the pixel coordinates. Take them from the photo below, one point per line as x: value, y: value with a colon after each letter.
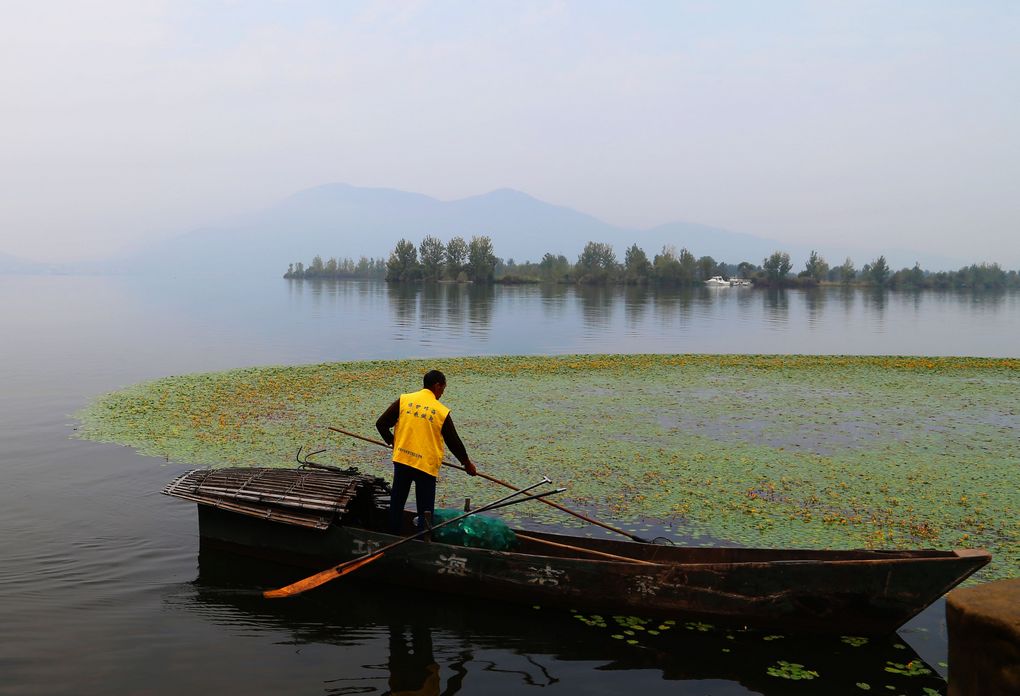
x: 475, y: 261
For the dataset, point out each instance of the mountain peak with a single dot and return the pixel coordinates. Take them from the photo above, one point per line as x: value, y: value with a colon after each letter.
x: 501, y: 195
x: 508, y: 193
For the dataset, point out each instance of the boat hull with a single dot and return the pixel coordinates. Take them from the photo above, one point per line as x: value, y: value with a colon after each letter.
x: 849, y: 592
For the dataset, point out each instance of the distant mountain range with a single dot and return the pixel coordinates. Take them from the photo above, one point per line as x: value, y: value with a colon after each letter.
x: 343, y: 220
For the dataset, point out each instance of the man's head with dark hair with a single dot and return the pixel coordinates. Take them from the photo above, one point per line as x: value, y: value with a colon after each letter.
x: 434, y: 377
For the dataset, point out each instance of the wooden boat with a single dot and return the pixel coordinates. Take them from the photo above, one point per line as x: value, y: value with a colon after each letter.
x: 314, y: 519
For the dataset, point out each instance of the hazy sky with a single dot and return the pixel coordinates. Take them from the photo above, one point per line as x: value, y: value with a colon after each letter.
x: 876, y: 124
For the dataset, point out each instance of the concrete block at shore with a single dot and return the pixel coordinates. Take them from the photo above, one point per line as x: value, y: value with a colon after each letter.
x: 984, y: 639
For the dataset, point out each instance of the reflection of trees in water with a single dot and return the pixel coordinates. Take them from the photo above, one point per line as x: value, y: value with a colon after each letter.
x: 481, y: 298
x: 875, y: 299
x: 442, y: 306
x: 403, y: 300
x: 295, y: 290
x: 596, y: 304
x: 673, y: 303
x: 978, y: 300
x: 319, y: 289
x: 745, y: 297
x: 814, y: 300
x: 430, y: 309
x: 455, y: 297
x: 988, y: 299
x: 777, y: 305
x: 334, y: 289
x: 635, y: 302
x: 554, y: 299
x: 912, y: 298
x: 847, y: 298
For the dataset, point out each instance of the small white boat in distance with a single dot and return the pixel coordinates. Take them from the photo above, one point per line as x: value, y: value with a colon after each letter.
x: 740, y: 282
x: 717, y: 282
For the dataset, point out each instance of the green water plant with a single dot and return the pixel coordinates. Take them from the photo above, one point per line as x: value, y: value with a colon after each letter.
x: 914, y: 668
x: 779, y: 451
x: 791, y: 670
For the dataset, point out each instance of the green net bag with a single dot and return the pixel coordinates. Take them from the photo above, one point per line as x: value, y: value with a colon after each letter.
x: 477, y: 531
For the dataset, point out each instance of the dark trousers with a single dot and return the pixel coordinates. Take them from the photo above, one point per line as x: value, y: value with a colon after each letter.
x: 424, y: 494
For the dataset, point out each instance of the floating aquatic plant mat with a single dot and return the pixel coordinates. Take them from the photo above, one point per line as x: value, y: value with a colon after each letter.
x: 781, y: 451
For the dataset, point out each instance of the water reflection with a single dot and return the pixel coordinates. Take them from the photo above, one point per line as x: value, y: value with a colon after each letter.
x: 429, y: 312
x: 814, y: 302
x: 431, y: 307
x: 456, y: 301
x: 597, y: 304
x: 876, y: 299
x: 401, y: 641
x: 777, y: 306
x: 413, y: 669
x: 636, y: 299
x: 467, y: 319
x: 482, y: 299
x: 554, y: 299
x: 403, y: 301
x: 913, y: 298
x: 674, y: 305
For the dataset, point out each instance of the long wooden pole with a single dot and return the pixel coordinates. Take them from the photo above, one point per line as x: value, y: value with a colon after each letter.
x: 593, y: 552
x: 508, y: 485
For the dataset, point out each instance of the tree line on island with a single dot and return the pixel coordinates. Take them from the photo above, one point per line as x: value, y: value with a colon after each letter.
x: 476, y: 262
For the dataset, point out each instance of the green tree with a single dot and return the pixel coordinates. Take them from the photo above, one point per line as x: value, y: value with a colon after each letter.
x: 636, y: 266
x: 745, y: 269
x: 403, y: 265
x: 554, y: 268
x: 481, y: 266
x: 916, y: 276
x: 456, y: 257
x: 596, y: 264
x: 316, y: 268
x: 816, y: 267
x: 432, y: 254
x: 847, y: 272
x: 706, y: 268
x: 878, y: 271
x: 672, y: 268
x: 776, y: 267
x: 981, y: 276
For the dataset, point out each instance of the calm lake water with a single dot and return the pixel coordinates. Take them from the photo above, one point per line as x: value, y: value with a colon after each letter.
x: 103, y: 588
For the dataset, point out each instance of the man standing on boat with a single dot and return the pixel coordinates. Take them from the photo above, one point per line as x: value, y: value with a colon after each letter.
x: 420, y: 426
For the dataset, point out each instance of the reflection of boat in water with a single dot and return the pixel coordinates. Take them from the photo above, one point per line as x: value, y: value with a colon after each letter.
x: 717, y: 282
x: 316, y: 519
x: 416, y: 640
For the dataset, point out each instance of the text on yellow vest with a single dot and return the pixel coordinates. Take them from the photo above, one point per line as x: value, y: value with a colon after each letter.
x: 418, y: 438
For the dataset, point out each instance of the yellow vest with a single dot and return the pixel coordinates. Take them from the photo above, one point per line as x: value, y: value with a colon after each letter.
x: 418, y: 438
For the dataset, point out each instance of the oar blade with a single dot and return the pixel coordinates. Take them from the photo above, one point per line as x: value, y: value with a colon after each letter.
x: 322, y: 578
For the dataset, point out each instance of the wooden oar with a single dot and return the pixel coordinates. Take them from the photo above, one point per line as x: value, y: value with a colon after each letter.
x: 485, y: 476
x: 338, y: 571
